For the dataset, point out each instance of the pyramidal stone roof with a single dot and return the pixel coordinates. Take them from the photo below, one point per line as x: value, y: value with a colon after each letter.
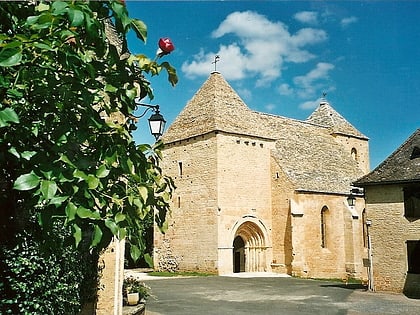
x: 305, y: 150
x: 215, y: 106
x: 326, y: 116
x: 402, y: 166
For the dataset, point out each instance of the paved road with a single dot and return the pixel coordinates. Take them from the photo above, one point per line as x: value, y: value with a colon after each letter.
x: 269, y: 295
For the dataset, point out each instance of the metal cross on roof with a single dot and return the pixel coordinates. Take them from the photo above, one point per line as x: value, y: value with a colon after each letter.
x: 216, y: 60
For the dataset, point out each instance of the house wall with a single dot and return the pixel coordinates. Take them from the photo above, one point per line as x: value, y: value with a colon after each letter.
x: 244, y: 196
x: 282, y: 191
x: 389, y: 232
x: 343, y: 254
x: 361, y: 146
x: 192, y: 232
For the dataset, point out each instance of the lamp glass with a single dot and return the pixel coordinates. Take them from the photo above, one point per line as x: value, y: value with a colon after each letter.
x: 351, y: 200
x: 157, y: 124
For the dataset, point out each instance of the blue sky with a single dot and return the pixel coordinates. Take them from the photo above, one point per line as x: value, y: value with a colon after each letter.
x: 280, y: 56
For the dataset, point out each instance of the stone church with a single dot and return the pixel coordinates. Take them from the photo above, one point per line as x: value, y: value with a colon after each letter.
x: 263, y: 193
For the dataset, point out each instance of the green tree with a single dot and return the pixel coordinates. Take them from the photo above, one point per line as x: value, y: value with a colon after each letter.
x: 67, y: 90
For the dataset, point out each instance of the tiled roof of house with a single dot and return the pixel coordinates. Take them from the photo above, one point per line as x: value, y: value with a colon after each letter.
x: 326, y: 116
x: 402, y: 166
x: 215, y: 106
x: 305, y: 150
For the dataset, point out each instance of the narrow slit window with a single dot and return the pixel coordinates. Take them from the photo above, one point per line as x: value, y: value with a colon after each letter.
x: 180, y: 168
x: 324, y: 215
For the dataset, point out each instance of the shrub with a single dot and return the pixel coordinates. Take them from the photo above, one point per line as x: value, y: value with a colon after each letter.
x: 45, y: 277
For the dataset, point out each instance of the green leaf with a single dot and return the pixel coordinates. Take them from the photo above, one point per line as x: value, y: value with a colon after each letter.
x: 135, y: 252
x: 80, y: 174
x: 48, y: 188
x: 59, y: 7
x: 97, y: 236
x: 8, y: 115
x: 58, y: 201
x: 122, y: 232
x: 121, y: 14
x: 92, y: 181
x: 140, y: 29
x: 13, y: 151
x: 43, y: 46
x: 71, y: 210
x: 119, y: 217
x: 66, y: 160
x: 110, y: 88
x: 42, y: 7
x: 102, y: 171
x: 76, y: 17
x: 110, y: 224
x: 144, y: 192
x: 27, y: 155
x: 148, y: 259
x: 26, y: 182
x: 77, y: 234
x: 172, y: 76
x: 84, y: 213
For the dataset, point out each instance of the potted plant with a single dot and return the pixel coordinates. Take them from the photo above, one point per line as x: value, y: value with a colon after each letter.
x: 135, y: 291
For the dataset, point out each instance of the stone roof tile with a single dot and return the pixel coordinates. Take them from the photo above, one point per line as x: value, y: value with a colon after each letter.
x: 326, y: 116
x: 402, y: 166
x: 306, y: 151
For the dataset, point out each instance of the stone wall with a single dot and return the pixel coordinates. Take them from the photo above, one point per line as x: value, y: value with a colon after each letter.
x: 282, y: 192
x: 193, y: 218
x: 360, y: 145
x: 244, y: 197
x: 389, y: 232
x: 110, y: 299
x: 343, y: 253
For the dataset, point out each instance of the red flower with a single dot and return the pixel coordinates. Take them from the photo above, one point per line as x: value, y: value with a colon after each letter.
x: 166, y: 45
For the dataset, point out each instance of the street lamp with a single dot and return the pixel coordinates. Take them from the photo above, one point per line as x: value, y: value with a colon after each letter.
x: 351, y: 200
x: 156, y: 120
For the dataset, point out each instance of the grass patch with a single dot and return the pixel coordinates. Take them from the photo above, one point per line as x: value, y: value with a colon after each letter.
x: 179, y: 274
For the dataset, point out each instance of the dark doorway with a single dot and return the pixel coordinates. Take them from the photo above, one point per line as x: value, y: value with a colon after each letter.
x: 238, y: 255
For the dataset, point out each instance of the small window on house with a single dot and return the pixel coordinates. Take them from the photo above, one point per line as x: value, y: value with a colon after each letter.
x: 180, y: 170
x: 415, y: 154
x: 413, y: 256
x: 412, y: 201
x: 324, y: 218
x: 354, y: 154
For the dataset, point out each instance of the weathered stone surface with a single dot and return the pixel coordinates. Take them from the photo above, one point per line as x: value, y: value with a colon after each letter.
x: 262, y: 178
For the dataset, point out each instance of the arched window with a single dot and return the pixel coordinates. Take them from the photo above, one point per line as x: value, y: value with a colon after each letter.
x: 324, y: 218
x: 354, y: 154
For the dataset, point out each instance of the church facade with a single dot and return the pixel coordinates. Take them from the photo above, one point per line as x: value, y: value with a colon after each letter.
x: 262, y: 193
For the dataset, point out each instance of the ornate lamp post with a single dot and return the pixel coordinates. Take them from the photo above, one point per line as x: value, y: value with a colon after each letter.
x: 156, y: 120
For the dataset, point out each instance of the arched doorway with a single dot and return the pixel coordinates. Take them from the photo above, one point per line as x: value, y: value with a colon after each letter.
x: 238, y: 254
x: 249, y: 249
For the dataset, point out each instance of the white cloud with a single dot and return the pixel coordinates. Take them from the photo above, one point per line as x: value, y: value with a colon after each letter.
x: 311, y: 83
x: 307, y: 17
x: 261, y: 48
x: 244, y: 93
x: 285, y: 89
x: 309, y: 104
x: 348, y: 20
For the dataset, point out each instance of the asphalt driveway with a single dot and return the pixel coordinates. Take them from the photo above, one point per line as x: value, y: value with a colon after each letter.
x: 269, y: 295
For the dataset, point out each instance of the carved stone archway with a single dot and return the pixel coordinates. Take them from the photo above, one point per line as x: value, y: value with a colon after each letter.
x: 254, y: 250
